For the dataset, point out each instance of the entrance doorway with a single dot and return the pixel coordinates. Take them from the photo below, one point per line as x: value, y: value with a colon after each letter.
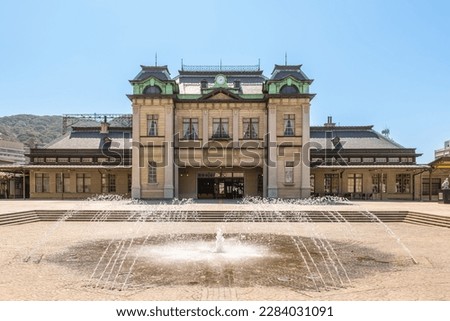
x: 220, y: 185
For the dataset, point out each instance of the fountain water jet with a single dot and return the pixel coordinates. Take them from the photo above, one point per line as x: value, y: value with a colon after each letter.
x: 219, y: 241
x: 290, y: 246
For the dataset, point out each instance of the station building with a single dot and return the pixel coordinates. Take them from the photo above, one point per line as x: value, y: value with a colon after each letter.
x: 226, y: 132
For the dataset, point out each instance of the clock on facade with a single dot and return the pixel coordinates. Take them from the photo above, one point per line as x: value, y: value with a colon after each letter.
x: 220, y: 79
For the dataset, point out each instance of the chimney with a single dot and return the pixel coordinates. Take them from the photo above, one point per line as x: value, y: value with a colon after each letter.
x: 329, y: 122
x: 104, y: 127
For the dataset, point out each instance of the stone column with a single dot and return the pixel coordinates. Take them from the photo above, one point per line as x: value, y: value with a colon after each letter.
x: 235, y: 127
x: 271, y: 161
x: 176, y: 146
x: 205, y: 134
x: 136, y: 150
x: 168, y: 151
x: 305, y: 188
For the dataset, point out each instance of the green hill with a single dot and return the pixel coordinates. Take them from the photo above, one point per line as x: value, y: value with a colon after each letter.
x: 31, y: 130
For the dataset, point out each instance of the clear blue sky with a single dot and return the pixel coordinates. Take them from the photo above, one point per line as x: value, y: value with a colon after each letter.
x: 384, y: 63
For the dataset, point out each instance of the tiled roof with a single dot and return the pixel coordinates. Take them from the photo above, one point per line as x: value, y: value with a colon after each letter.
x: 363, y: 137
x: 281, y: 72
x: 159, y: 72
x: 92, y: 140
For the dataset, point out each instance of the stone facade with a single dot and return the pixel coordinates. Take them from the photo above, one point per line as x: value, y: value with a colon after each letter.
x: 216, y: 129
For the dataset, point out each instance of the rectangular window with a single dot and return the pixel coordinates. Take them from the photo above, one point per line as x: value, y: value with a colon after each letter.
x: 394, y: 160
x: 152, y: 178
x: 74, y: 159
x: 312, y: 183
x: 220, y: 128
x: 63, y: 160
x: 435, y: 186
x: 108, y: 183
x: 354, y: 183
x: 87, y: 160
x: 380, y: 159
x: 190, y: 128
x: 50, y: 160
x: 379, y: 183
x: 289, y: 173
x: 402, y: 183
x: 152, y: 125
x: 289, y: 125
x: 42, y: 181
x: 251, y: 126
x: 355, y: 160
x: 62, y: 182
x: 367, y: 160
x: 129, y: 183
x: 331, y: 183
x: 83, y: 183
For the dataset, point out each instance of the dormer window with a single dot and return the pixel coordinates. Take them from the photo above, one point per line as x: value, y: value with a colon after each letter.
x: 237, y: 84
x: 204, y: 84
x: 152, y: 90
x: 289, y: 90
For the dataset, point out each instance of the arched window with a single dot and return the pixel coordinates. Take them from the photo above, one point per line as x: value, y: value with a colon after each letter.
x: 152, y: 90
x: 287, y: 90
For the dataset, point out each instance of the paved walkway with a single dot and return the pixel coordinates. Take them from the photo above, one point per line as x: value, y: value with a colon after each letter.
x: 10, y: 206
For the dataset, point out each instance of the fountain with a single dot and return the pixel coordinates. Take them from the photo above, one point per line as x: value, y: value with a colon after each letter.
x: 262, y: 243
x: 219, y: 241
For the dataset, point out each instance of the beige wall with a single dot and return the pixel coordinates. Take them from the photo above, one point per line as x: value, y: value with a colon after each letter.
x: 152, y: 148
x: 319, y: 175
x: 95, y: 188
x: 297, y: 107
x: 221, y: 106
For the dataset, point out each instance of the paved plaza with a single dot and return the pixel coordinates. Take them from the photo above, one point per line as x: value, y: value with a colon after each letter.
x: 40, y: 278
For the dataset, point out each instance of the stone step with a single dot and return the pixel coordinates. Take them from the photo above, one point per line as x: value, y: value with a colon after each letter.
x: 224, y: 216
x: 428, y: 219
x: 18, y: 218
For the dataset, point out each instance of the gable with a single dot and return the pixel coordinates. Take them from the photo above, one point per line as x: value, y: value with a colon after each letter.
x: 220, y: 94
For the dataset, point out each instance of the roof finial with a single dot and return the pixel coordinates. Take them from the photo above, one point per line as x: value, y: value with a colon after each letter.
x: 285, y: 58
x: 182, y: 66
x: 156, y: 59
x: 259, y: 64
x: 220, y: 64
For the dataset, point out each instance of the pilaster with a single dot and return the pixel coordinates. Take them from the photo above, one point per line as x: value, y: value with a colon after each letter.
x: 205, y: 126
x: 168, y: 165
x: 235, y: 128
x: 305, y: 189
x: 272, y: 189
x: 136, y: 150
